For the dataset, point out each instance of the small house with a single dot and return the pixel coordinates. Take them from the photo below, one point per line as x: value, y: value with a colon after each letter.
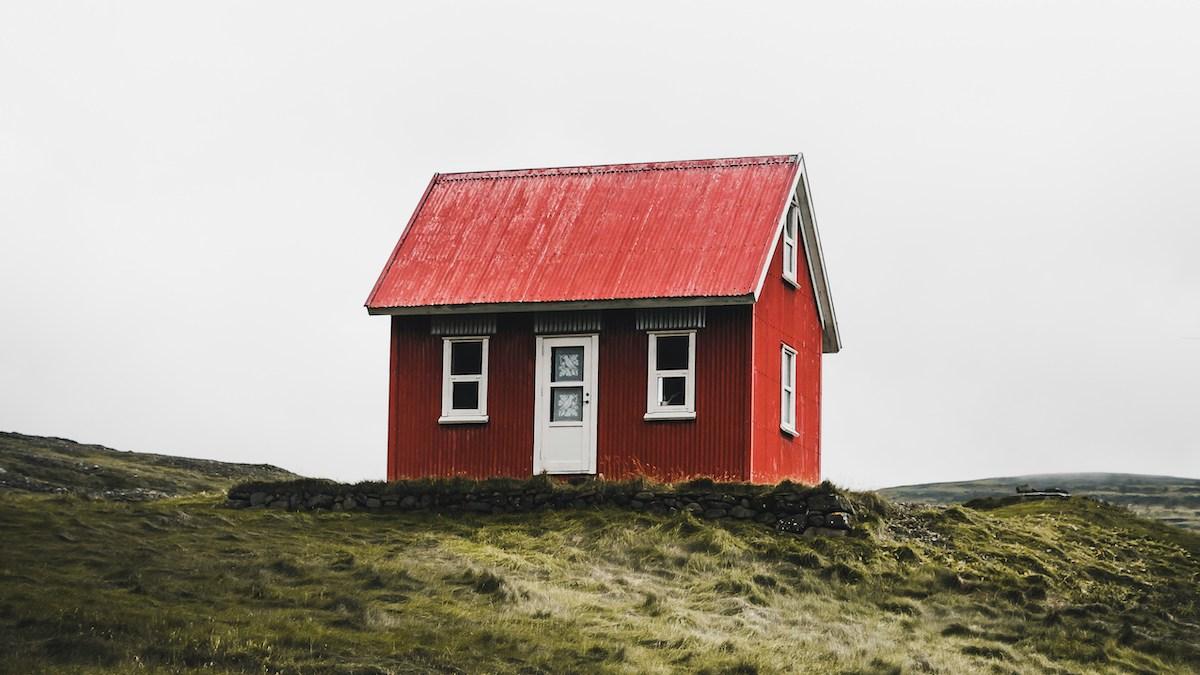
x: 664, y: 319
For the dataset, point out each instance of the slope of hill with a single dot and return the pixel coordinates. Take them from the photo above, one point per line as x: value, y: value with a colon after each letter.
x: 1167, y: 498
x: 179, y: 584
x: 40, y: 464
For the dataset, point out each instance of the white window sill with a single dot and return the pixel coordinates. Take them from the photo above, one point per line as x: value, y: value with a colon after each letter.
x: 463, y: 419
x: 670, y: 415
x: 791, y: 281
x: 788, y: 430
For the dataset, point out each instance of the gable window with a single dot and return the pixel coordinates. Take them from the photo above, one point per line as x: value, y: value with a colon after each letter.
x: 791, y: 258
x: 787, y: 391
x: 671, y: 376
x: 464, y: 380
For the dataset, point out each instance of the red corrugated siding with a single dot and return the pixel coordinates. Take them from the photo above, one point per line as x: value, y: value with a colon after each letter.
x: 418, y: 446
x: 714, y: 444
x: 673, y: 229
x: 786, y: 315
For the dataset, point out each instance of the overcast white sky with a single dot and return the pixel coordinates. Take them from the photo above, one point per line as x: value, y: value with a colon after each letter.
x: 195, y: 199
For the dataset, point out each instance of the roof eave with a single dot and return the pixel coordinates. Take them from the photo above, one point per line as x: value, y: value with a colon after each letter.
x: 566, y: 305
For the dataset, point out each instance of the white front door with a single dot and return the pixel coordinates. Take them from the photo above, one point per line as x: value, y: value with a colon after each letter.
x: 564, y: 433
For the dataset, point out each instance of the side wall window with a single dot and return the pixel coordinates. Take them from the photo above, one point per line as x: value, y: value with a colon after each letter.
x: 791, y: 226
x: 671, y: 376
x: 787, y: 390
x: 464, y: 380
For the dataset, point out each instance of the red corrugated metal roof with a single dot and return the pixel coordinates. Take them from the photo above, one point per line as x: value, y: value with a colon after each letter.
x: 694, y: 229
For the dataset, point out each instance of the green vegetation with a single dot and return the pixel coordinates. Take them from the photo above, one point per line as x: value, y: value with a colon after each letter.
x: 39, y: 464
x: 1166, y: 498
x: 1071, y: 586
x: 102, y: 585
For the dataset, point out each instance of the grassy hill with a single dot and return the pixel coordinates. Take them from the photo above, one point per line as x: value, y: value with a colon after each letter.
x: 40, y: 464
x: 177, y: 584
x: 1167, y: 498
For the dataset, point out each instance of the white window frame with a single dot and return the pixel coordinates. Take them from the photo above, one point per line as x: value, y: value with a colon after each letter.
x: 460, y: 416
x: 791, y: 261
x: 787, y: 390
x: 654, y: 411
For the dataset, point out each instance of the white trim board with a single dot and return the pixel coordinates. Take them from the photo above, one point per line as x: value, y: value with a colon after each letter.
x: 831, y: 340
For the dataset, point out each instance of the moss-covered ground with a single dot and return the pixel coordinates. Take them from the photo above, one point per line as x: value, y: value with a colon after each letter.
x: 179, y: 584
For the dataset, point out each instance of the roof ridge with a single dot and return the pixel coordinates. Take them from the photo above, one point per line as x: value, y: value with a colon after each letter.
x: 634, y: 167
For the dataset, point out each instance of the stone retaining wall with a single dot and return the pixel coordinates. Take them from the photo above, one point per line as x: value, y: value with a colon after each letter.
x: 819, y: 510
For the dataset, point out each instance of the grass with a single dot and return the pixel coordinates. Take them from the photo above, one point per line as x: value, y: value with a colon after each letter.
x: 1169, y: 499
x: 181, y: 584
x: 41, y: 464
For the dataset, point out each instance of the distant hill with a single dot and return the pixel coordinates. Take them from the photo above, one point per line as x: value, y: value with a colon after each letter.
x: 40, y: 464
x: 1166, y: 498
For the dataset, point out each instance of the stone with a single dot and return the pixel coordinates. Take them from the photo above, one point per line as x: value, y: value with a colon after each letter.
x: 479, y: 507
x: 320, y: 502
x: 237, y: 503
x: 408, y: 502
x: 636, y: 504
x: 281, y: 504
x: 740, y: 512
x: 715, y: 513
x: 816, y: 519
x: 373, y: 503
x: 793, y: 525
x: 258, y: 499
x: 837, y: 521
x: 644, y: 496
x: 693, y: 507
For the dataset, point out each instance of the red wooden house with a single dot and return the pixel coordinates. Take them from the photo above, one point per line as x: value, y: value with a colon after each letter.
x: 665, y: 319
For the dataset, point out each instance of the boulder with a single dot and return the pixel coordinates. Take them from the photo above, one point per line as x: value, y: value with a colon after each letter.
x: 741, y: 512
x: 791, y: 524
x: 258, y: 498
x: 837, y: 521
x: 321, y: 501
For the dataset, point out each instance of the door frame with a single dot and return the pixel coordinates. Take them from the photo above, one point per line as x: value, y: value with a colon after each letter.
x: 593, y: 375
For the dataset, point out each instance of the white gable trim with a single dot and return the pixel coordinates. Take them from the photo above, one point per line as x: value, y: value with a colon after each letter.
x: 830, y: 337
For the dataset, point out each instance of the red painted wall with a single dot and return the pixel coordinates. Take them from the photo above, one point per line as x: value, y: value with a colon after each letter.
x: 715, y: 444
x: 786, y: 314
x: 418, y: 446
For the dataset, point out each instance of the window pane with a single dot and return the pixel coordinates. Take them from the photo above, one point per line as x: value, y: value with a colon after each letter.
x: 566, y: 404
x: 789, y: 409
x: 672, y: 352
x: 568, y: 364
x: 789, y: 256
x: 672, y: 391
x: 465, y: 396
x: 466, y: 358
x: 793, y: 216
x: 789, y: 373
